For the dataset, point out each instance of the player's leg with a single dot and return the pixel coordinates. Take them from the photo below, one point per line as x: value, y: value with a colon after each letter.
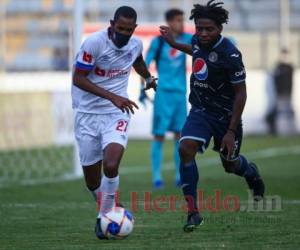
x: 189, y: 181
x: 179, y: 114
x: 189, y: 171
x: 195, y: 137
x: 156, y: 161
x: 92, y: 176
x: 114, y: 142
x: 177, y: 159
x: 90, y: 151
x: 113, y: 153
x: 239, y: 165
x: 159, y: 127
x: 242, y: 167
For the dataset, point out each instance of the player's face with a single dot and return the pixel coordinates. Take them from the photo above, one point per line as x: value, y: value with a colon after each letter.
x: 123, y: 29
x: 177, y: 24
x: 207, y: 30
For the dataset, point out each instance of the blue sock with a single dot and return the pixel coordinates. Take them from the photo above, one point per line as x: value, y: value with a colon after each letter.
x: 189, y: 179
x: 245, y: 170
x: 176, y: 160
x: 156, y: 159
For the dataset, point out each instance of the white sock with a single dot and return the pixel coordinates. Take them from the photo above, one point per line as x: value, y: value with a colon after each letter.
x: 108, y: 188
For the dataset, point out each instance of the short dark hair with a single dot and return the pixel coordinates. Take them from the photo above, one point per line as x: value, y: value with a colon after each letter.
x: 125, y: 11
x: 211, y: 10
x: 170, y: 14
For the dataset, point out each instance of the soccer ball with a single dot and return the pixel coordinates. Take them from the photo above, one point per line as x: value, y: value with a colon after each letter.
x: 117, y: 223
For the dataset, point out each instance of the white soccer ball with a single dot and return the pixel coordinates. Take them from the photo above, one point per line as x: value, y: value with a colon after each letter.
x: 117, y: 223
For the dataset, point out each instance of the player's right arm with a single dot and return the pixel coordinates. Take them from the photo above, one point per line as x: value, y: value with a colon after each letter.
x: 166, y: 34
x: 85, y: 62
x: 81, y: 81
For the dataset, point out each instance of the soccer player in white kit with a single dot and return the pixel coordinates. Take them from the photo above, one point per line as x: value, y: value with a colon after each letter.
x: 101, y: 105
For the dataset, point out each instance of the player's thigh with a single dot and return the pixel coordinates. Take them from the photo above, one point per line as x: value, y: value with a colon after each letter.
x: 196, y: 128
x: 179, y: 113
x: 114, y: 138
x: 88, y: 138
x: 162, y: 114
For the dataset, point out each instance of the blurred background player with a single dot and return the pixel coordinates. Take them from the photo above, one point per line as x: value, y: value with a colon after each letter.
x: 169, y: 111
x: 101, y: 105
x: 282, y: 79
x: 218, y: 96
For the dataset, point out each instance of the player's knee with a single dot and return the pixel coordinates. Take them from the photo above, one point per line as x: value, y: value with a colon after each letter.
x: 187, y: 151
x: 110, y: 168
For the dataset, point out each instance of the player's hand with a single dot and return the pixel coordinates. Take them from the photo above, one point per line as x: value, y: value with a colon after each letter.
x: 228, y: 143
x: 166, y: 34
x: 151, y: 83
x: 124, y: 104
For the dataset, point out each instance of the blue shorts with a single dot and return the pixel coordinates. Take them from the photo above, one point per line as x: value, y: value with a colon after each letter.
x: 201, y: 126
x: 169, y: 112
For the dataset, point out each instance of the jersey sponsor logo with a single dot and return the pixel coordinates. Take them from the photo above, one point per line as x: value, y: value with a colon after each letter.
x: 116, y: 72
x: 110, y: 73
x: 240, y: 73
x: 201, y: 84
x: 87, y: 57
x: 200, y: 69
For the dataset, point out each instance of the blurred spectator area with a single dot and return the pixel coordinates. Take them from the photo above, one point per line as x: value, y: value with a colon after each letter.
x: 38, y: 32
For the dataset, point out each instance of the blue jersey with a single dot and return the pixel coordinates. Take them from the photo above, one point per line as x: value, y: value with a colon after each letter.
x: 171, y: 65
x: 215, y: 71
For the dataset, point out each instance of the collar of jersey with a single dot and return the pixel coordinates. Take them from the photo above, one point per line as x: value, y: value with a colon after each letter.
x: 218, y: 42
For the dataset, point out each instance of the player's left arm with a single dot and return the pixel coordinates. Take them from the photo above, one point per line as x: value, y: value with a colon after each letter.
x: 141, y: 68
x: 237, y: 76
x: 238, y: 105
x: 238, y: 108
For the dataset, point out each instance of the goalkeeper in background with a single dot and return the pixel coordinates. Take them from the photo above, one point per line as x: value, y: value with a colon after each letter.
x: 170, y: 109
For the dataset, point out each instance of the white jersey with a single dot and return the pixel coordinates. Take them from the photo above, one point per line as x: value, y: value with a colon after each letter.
x: 109, y: 67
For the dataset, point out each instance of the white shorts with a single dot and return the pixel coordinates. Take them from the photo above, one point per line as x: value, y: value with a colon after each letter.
x: 94, y: 132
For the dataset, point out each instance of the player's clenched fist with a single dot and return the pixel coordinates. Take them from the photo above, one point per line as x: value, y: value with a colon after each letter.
x: 166, y: 33
x: 124, y: 104
x: 151, y: 83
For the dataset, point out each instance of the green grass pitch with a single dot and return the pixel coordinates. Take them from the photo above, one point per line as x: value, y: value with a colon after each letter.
x: 61, y: 215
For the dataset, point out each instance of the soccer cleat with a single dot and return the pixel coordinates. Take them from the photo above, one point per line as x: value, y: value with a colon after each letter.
x: 193, y: 221
x: 98, y: 230
x: 158, y: 184
x: 256, y: 184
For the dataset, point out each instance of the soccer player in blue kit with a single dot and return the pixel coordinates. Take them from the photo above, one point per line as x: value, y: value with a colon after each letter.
x: 218, y: 96
x: 170, y: 109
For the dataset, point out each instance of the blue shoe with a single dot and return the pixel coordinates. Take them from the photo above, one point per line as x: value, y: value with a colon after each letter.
x: 158, y: 184
x: 98, y: 230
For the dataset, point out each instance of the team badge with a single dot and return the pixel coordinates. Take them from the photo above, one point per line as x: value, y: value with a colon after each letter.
x: 200, y: 69
x: 213, y: 57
